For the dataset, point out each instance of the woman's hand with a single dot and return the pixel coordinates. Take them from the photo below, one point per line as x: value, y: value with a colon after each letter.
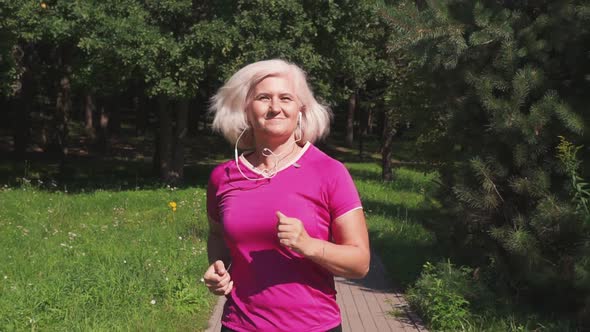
x: 217, y: 279
x: 293, y: 235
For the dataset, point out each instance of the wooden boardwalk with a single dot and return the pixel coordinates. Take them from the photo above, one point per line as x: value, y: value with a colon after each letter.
x: 367, y: 305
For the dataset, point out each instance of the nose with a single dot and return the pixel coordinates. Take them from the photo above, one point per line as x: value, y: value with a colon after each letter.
x: 275, y: 105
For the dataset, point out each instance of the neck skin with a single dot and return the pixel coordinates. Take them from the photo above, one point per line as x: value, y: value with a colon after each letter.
x: 283, y: 151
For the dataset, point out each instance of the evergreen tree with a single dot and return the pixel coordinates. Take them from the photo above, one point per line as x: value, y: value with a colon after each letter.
x: 512, y: 78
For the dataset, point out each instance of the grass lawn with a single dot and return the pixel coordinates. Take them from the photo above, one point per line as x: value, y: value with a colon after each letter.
x: 101, y: 249
x: 103, y: 261
x: 119, y: 259
x: 123, y: 260
x: 395, y: 212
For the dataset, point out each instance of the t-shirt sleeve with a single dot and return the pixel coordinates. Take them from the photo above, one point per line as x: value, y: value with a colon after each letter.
x: 212, y: 201
x: 343, y: 196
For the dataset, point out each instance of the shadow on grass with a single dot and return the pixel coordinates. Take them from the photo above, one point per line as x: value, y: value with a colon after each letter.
x: 128, y: 165
x: 398, y: 214
x: 402, y: 238
x: 90, y: 173
x: 403, y: 258
x: 373, y: 175
x: 423, y: 214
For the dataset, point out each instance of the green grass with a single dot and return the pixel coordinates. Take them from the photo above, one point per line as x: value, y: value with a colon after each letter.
x: 96, y: 260
x: 395, y: 212
x: 102, y: 261
x: 102, y: 254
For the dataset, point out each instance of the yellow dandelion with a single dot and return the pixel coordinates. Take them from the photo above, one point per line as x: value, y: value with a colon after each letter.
x: 172, y: 205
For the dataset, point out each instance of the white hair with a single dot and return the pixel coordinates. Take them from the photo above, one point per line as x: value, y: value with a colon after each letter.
x: 230, y: 102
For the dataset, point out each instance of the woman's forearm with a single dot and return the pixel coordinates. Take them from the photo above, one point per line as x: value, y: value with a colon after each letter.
x: 217, y: 250
x: 342, y: 260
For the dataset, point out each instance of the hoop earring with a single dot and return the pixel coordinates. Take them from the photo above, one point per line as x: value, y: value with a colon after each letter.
x: 236, y: 157
x: 300, y: 127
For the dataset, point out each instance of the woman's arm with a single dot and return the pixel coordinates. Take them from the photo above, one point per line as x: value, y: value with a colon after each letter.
x: 217, y: 277
x: 216, y: 248
x: 348, y: 257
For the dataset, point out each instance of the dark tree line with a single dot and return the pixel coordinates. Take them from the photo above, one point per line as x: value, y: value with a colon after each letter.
x: 100, y: 61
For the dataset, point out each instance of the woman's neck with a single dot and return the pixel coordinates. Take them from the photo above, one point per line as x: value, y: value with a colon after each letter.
x: 270, y: 155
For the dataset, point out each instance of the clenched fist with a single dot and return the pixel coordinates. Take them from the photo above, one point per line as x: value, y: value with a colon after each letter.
x: 217, y: 279
x: 293, y: 235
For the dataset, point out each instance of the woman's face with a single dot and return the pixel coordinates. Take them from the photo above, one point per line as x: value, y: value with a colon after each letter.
x: 274, y: 108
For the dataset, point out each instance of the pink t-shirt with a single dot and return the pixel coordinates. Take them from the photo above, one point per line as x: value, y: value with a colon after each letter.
x: 276, y: 289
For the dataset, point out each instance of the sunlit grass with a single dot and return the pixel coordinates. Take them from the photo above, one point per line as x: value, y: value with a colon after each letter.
x: 112, y: 260
x: 395, y: 212
x: 103, y: 260
x: 125, y: 260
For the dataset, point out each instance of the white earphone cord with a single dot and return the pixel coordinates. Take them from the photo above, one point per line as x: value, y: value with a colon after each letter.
x: 267, y: 153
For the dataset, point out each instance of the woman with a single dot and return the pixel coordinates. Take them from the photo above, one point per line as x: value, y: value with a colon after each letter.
x: 285, y: 217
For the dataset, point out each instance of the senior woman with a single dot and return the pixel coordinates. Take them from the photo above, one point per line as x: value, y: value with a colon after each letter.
x: 284, y: 217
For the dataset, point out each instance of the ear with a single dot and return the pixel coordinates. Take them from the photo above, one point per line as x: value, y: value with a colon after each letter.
x: 246, y: 116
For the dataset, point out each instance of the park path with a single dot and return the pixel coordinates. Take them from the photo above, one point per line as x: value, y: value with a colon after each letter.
x: 367, y: 305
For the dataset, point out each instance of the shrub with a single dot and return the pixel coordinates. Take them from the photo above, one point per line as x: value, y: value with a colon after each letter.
x: 440, y: 296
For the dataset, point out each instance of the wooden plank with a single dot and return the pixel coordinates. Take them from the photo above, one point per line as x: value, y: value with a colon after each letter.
x: 345, y: 325
x: 363, y: 309
x: 375, y: 309
x: 215, y: 320
x: 354, y: 321
x: 385, y: 302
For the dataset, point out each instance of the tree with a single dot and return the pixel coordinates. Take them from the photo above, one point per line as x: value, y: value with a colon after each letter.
x: 513, y: 90
x: 349, y: 36
x: 150, y: 46
x: 42, y: 57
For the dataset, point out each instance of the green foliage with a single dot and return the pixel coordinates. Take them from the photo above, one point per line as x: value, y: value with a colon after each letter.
x: 175, y: 47
x: 566, y: 152
x: 397, y: 213
x: 439, y: 296
x: 504, y: 96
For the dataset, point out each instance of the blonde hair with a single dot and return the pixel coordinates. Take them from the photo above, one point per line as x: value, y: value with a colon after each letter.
x: 230, y: 102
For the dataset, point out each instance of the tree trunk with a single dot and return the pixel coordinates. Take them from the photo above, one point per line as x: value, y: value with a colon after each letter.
x: 389, y: 132
x: 197, y: 118
x: 370, y: 121
x: 103, y: 137
x: 141, y: 115
x: 153, y: 109
x: 362, y: 132
x: 181, y: 130
x: 350, y: 120
x: 63, y: 102
x: 89, y: 110
x: 164, y: 139
x: 22, y: 112
x: 21, y: 104
x: 115, y: 110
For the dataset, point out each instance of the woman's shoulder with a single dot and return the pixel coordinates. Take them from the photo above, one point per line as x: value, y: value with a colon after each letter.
x: 218, y: 171
x: 324, y: 163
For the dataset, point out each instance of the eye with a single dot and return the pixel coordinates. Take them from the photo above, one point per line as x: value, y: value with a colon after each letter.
x: 262, y: 97
x: 286, y: 98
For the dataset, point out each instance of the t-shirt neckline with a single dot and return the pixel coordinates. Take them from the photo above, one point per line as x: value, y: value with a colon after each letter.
x: 293, y: 161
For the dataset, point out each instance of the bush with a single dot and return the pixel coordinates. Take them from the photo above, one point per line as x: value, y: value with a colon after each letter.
x: 441, y: 296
